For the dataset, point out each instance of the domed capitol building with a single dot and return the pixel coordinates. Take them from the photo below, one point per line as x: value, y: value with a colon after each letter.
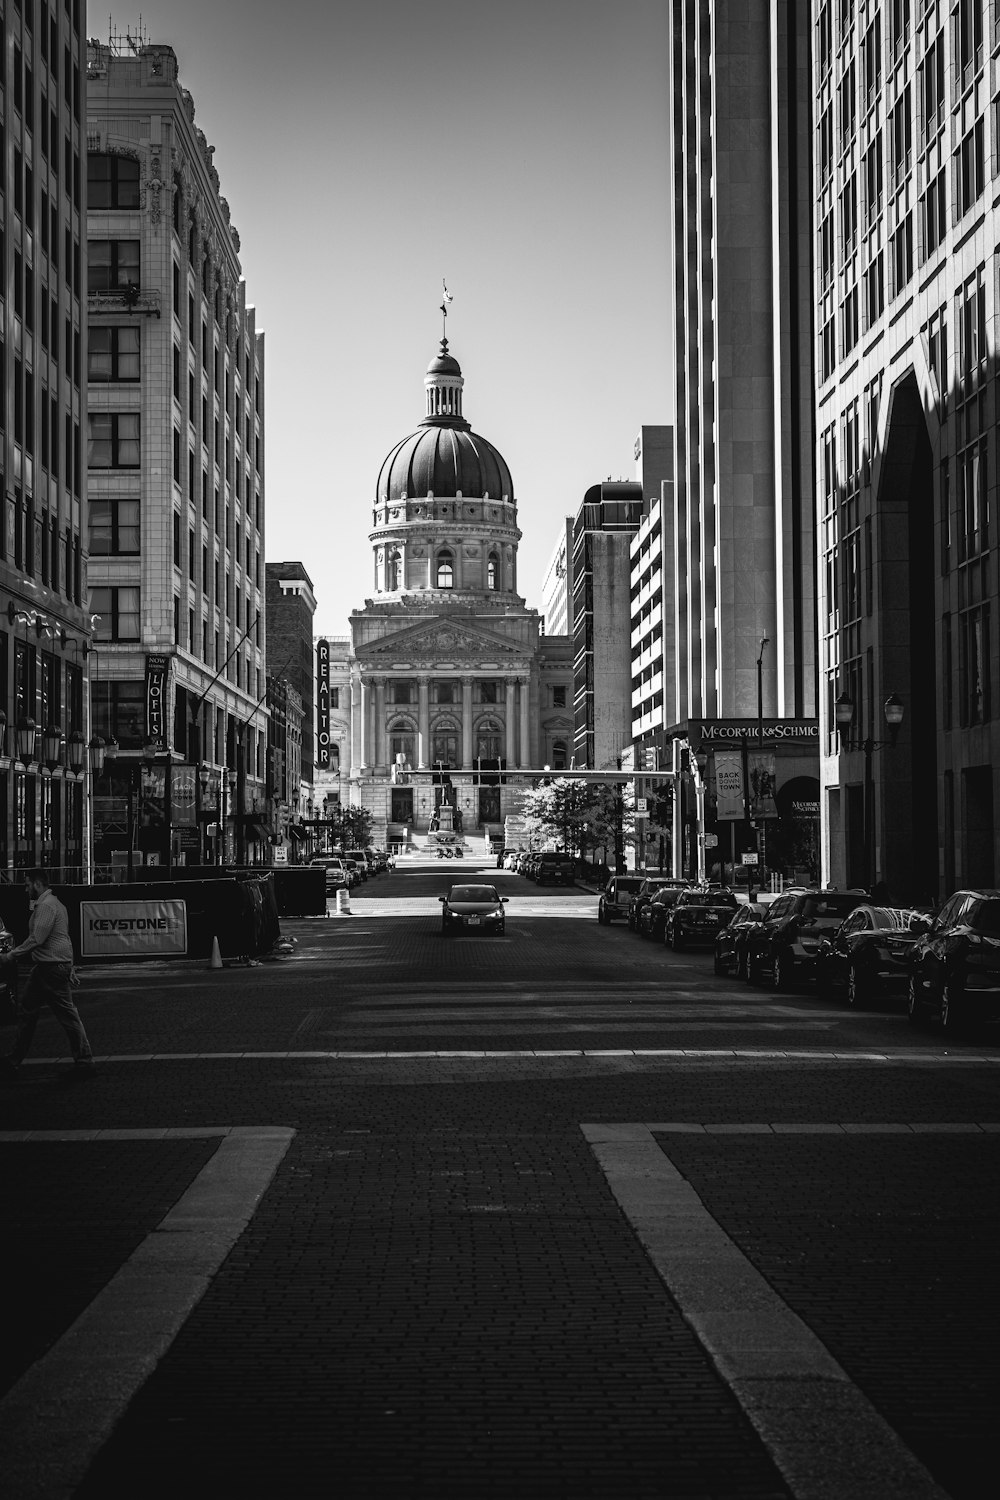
x: 452, y: 695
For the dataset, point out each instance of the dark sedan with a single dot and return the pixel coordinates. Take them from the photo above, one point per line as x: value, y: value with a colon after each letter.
x: 787, y: 942
x: 731, y: 940
x: 869, y: 953
x: 697, y: 916
x: 473, y: 906
x: 955, y: 965
x: 647, y: 891
x: 652, y: 916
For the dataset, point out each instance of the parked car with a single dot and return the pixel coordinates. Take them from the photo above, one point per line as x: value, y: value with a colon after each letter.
x: 616, y: 898
x: 555, y: 868
x: 357, y: 865
x: 786, y: 943
x: 868, y: 955
x: 955, y: 964
x: 650, y: 885
x: 652, y: 915
x: 337, y: 877
x: 731, y: 940
x: 697, y: 915
x: 473, y: 906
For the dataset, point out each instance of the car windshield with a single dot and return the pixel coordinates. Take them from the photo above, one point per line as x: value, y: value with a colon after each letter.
x: 988, y: 919
x: 472, y: 893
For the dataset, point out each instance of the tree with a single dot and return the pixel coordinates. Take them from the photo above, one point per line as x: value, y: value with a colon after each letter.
x: 351, y: 827
x: 562, y: 806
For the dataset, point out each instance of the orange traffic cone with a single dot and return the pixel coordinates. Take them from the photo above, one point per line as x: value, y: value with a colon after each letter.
x: 215, y: 962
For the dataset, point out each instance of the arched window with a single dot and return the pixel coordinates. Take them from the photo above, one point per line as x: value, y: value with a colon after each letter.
x: 445, y: 570
x: 489, y: 742
x: 491, y: 572
x: 402, y: 741
x: 559, y: 755
x: 393, y: 570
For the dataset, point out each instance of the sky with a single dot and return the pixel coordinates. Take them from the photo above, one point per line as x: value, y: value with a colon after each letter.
x: 516, y: 149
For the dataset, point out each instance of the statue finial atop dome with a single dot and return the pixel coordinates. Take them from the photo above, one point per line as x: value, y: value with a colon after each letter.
x: 444, y: 315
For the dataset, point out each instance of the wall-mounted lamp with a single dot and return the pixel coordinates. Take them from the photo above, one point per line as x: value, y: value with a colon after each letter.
x: 76, y: 750
x: 25, y: 734
x: 3, y: 732
x: 96, y: 755
x: 52, y: 742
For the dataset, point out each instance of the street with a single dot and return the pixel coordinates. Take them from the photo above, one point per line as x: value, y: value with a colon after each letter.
x: 553, y: 1213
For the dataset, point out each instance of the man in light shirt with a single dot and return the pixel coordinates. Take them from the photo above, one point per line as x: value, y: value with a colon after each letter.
x: 51, y: 951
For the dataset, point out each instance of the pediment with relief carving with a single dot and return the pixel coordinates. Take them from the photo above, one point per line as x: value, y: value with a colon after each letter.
x: 448, y: 642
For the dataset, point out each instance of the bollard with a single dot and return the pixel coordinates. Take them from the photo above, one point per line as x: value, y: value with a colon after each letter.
x: 343, y: 904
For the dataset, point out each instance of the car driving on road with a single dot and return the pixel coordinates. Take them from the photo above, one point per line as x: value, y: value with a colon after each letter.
x: 473, y: 906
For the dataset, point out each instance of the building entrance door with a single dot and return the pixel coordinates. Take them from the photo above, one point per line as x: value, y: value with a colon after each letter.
x: 402, y: 804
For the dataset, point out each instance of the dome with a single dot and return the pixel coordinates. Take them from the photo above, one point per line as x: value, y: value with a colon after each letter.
x: 444, y: 460
x: 444, y: 456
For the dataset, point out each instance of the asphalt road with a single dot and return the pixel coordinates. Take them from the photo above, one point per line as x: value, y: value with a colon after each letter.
x: 557, y: 1213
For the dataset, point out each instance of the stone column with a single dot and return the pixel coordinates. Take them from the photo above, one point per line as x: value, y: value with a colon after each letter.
x: 355, y: 725
x: 423, y: 722
x: 366, y: 725
x: 379, y: 745
x: 524, y: 684
x: 511, y: 747
x: 466, y: 723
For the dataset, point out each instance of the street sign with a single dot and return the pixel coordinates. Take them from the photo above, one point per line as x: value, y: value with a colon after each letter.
x: 750, y: 858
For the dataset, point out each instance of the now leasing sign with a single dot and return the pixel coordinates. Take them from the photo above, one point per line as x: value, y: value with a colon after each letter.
x: 132, y: 929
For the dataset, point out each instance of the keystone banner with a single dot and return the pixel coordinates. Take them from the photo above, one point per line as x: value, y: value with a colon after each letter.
x: 144, y: 928
x: 729, y: 785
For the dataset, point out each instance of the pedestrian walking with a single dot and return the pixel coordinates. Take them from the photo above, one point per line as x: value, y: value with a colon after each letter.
x: 51, y: 952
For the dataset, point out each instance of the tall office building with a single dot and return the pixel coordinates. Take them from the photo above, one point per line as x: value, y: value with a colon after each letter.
x: 176, y: 462
x: 557, y: 584
x: 602, y: 680
x: 44, y: 624
x: 906, y: 234
x: 743, y: 563
x: 291, y: 605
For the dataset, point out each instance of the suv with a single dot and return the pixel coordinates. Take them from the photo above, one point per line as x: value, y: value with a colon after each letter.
x: 955, y: 966
x: 337, y: 877
x: 555, y: 869
x: 787, y: 942
x: 616, y: 898
x: 697, y: 917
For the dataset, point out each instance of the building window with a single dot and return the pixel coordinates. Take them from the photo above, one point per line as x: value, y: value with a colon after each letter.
x: 968, y: 39
x: 971, y: 169
x: 444, y: 751
x: 560, y: 755
x: 489, y: 742
x: 932, y: 88
x: 936, y: 348
x: 874, y: 291
x: 849, y: 312
x: 113, y: 354
x: 559, y: 696
x: 491, y: 573
x: 119, y: 712
x: 901, y: 252
x: 934, y: 214
x: 402, y: 692
x: 113, y: 441
x: 112, y: 265
x: 489, y: 692
x: 446, y: 692
x: 393, y: 570
x: 112, y: 181
x: 974, y: 665
x: 901, y: 138
x: 114, y: 528
x: 445, y: 570
x: 118, y: 609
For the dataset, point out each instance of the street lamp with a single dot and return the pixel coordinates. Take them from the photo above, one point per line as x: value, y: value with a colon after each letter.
x: 25, y: 734
x: 893, y: 709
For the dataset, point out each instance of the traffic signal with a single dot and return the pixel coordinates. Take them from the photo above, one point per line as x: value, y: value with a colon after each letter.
x: 662, y: 805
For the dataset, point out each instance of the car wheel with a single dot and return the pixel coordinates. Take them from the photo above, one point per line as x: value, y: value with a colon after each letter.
x: 857, y: 993
x: 954, y: 1018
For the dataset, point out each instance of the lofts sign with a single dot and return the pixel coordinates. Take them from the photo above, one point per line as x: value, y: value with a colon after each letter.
x: 323, y: 705
x: 157, y: 668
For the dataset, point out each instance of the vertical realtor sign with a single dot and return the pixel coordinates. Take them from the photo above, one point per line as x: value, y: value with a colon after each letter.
x: 157, y: 668
x: 323, y: 705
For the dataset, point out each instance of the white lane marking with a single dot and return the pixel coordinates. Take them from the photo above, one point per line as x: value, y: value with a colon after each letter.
x: 701, y: 1054
x: 60, y: 1413
x: 800, y: 1400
